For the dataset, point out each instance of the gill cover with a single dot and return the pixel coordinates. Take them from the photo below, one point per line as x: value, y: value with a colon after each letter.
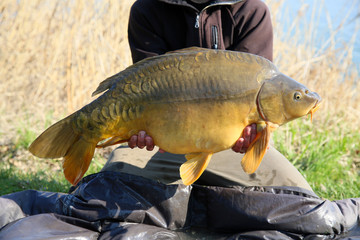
x: 282, y: 99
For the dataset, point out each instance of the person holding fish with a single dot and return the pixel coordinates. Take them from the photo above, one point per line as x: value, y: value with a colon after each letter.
x: 160, y: 26
x: 195, y: 102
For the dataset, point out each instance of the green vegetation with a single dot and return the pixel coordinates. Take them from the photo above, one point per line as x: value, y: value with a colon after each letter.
x: 14, y: 180
x: 24, y: 137
x: 43, y: 175
x: 328, y: 157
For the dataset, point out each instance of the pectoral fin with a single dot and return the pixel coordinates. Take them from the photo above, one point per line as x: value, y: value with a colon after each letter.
x: 195, y: 165
x: 256, y: 150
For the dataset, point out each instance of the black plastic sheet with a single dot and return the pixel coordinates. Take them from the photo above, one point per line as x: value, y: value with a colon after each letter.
x: 112, y: 205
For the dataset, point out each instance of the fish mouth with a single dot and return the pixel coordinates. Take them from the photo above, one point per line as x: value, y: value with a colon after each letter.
x: 314, y: 109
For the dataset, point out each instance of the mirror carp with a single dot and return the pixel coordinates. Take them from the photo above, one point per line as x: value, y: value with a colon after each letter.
x: 192, y: 101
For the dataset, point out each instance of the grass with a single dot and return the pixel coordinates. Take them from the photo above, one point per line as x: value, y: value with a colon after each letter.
x: 53, y: 54
x: 14, y: 180
x: 19, y: 171
x: 328, y: 159
x: 325, y: 151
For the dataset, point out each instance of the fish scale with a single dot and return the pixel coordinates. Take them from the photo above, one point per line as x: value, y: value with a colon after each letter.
x: 193, y: 101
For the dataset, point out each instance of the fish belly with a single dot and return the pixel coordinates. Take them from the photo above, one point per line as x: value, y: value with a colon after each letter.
x: 189, y: 127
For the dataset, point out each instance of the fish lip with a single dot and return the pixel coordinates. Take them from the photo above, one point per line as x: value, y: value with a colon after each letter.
x: 317, y: 105
x: 314, y: 108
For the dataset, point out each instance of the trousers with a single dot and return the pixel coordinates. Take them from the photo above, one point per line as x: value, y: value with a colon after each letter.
x: 223, y: 170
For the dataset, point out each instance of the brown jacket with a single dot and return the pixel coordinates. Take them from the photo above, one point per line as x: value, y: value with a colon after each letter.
x: 159, y: 26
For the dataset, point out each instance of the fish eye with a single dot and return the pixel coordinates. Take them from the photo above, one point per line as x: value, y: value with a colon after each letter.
x: 297, y: 96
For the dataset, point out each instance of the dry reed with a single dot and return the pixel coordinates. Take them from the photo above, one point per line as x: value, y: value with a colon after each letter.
x: 328, y: 70
x: 53, y: 54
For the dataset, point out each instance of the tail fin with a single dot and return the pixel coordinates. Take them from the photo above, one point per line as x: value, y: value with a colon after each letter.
x: 77, y: 160
x: 55, y: 141
x: 60, y: 140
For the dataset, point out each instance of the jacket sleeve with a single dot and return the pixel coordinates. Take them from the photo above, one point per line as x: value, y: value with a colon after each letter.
x: 143, y: 40
x: 254, y: 32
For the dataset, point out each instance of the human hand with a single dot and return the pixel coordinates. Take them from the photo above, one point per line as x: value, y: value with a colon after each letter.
x: 142, y: 140
x: 243, y: 143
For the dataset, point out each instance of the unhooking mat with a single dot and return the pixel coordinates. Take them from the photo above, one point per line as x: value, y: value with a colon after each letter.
x: 112, y: 205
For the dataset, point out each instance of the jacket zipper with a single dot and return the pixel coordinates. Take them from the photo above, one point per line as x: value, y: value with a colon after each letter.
x: 214, y: 30
x: 215, y: 37
x: 197, y: 20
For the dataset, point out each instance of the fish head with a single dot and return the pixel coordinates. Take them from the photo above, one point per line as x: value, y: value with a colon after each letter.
x: 282, y: 99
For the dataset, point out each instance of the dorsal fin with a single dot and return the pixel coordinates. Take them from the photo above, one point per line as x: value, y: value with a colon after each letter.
x: 106, y: 84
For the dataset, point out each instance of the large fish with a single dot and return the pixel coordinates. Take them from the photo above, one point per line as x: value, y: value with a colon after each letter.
x: 193, y: 101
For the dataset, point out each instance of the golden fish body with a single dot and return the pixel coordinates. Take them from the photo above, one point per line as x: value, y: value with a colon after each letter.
x: 193, y: 101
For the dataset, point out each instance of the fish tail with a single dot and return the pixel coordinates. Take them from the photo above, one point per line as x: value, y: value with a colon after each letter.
x: 55, y: 141
x: 77, y: 160
x: 60, y: 140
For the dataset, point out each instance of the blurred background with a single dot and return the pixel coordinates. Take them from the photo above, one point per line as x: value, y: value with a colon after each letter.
x: 54, y: 53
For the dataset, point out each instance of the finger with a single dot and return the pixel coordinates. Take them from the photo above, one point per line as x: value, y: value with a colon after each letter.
x: 149, y: 143
x: 133, y: 141
x: 253, y: 132
x: 238, y: 145
x: 246, y: 136
x: 161, y: 150
x: 141, y: 139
